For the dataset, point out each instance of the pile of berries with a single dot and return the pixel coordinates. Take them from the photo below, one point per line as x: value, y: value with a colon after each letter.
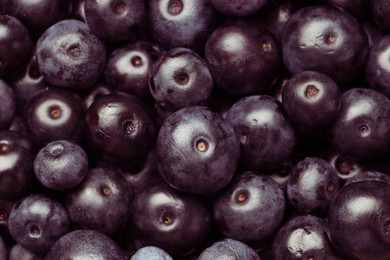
x: 194, y: 129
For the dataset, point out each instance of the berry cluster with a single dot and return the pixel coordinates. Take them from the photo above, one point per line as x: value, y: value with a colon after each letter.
x: 183, y: 129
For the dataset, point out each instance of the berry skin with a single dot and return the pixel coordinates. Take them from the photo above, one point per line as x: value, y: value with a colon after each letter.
x: 18, y: 252
x: 115, y: 20
x: 377, y: 66
x: 380, y: 14
x: 27, y: 84
x: 3, y: 249
x: 38, y: 15
x: 369, y: 176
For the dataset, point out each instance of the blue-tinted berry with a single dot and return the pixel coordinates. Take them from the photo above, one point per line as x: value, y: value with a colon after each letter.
x: 7, y: 104
x: 85, y: 244
x: 101, y: 202
x: 37, y: 221
x: 197, y: 151
x: 61, y: 165
x: 69, y: 55
x: 229, y: 249
x: 250, y: 209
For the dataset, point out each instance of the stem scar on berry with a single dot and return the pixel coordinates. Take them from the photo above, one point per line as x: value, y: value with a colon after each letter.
x: 311, y: 91
x: 35, y: 231
x: 3, y: 216
x: 167, y: 218
x: 266, y: 46
x: 137, y: 61
x: 386, y: 227
x: 241, y: 196
x: 330, y: 38
x: 4, y: 147
x: 175, y: 7
x: 105, y: 190
x: 74, y: 50
x: 202, y: 145
x: 120, y: 8
x: 55, y: 112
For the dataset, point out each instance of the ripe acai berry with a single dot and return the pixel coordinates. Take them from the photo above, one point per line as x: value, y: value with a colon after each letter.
x: 54, y: 114
x: 69, y: 55
x: 61, y: 165
x: 266, y: 133
x: 238, y: 8
x: 197, y: 151
x: 37, y: 221
x: 324, y: 39
x: 115, y: 20
x: 180, y: 78
x: 151, y: 253
x: 361, y: 210
x: 243, y: 57
x: 85, y: 244
x: 304, y: 237
x: 7, y: 104
x: 229, y: 249
x: 250, y: 209
x: 174, y: 221
x: 101, y: 202
x: 194, y: 129
x: 180, y: 23
x: 120, y: 128
x: 16, y: 46
x: 311, y: 99
x: 362, y: 128
x: 312, y: 185
x: 17, y: 155
x: 127, y: 68
x: 38, y: 15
